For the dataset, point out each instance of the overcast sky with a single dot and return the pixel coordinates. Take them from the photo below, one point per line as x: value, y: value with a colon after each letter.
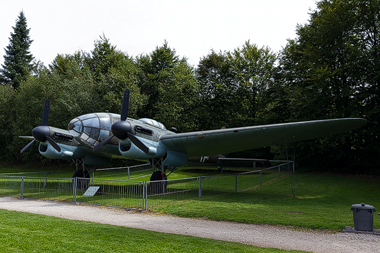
x: 136, y: 27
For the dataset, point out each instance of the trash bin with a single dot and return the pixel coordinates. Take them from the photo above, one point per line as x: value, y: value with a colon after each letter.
x: 363, y: 217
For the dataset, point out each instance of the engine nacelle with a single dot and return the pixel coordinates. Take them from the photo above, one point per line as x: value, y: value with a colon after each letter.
x: 174, y: 159
x: 131, y: 151
x: 67, y: 152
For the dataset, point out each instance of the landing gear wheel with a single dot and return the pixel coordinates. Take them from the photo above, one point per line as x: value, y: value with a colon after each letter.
x: 158, y: 187
x: 83, y: 179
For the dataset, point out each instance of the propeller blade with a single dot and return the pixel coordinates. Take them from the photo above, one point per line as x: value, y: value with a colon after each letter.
x: 122, y: 129
x: 104, y: 142
x: 45, y: 114
x: 138, y: 143
x: 41, y: 133
x: 27, y: 146
x: 125, y: 106
x: 53, y: 143
x: 26, y: 137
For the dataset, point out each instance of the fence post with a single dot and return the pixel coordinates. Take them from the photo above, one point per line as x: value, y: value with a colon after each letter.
x: 128, y: 173
x: 143, y: 198
x: 200, y: 187
x: 74, y: 190
x: 146, y: 195
x: 279, y: 171
x: 293, y: 167
x: 261, y: 180
x: 46, y: 175
x: 236, y: 182
x: 22, y: 187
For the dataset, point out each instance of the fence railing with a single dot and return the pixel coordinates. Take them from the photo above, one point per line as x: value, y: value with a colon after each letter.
x: 123, y: 170
x: 139, y: 195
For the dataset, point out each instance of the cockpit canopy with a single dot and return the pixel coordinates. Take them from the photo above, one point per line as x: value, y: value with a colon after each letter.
x: 93, y: 128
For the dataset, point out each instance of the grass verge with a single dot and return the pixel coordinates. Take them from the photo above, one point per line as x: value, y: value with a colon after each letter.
x: 23, y: 232
x: 321, y: 201
x: 308, y: 200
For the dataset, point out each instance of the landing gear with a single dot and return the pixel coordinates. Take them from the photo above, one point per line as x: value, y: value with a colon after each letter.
x: 83, y: 179
x: 220, y: 166
x: 82, y: 175
x: 158, y: 182
x: 159, y: 175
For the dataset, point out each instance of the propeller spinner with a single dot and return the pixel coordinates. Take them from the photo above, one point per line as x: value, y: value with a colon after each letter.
x: 123, y: 129
x: 41, y: 133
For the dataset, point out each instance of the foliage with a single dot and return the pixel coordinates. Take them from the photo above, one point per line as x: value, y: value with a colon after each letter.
x: 7, y: 116
x: 233, y: 85
x: 170, y: 86
x: 253, y: 70
x: 23, y: 232
x: 216, y: 105
x: 114, y: 71
x: 17, y: 58
x: 70, y: 89
x: 330, y: 70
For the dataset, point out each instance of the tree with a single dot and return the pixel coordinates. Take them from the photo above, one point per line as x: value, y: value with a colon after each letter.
x: 17, y: 58
x: 232, y: 85
x: 114, y: 71
x: 178, y: 98
x: 254, y: 70
x: 7, y: 116
x: 171, y: 87
x: 332, y: 70
x: 216, y: 91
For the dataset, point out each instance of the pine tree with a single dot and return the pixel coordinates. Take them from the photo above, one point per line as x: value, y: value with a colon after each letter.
x: 17, y: 58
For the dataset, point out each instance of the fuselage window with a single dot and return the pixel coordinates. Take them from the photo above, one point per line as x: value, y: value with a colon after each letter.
x: 105, y: 123
x: 93, y: 122
x: 95, y: 133
x: 87, y: 130
x: 103, y: 134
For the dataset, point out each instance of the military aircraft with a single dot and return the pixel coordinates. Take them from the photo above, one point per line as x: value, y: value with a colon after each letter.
x: 96, y: 138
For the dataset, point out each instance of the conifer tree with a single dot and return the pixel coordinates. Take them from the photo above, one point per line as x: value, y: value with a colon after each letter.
x: 17, y: 58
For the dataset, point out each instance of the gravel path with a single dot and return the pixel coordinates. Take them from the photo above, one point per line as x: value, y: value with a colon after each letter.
x: 257, y: 235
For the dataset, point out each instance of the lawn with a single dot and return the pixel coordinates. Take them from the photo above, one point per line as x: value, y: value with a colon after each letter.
x: 23, y: 232
x: 307, y: 200
x: 320, y: 201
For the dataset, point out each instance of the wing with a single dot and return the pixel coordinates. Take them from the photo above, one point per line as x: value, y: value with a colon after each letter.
x: 231, y: 140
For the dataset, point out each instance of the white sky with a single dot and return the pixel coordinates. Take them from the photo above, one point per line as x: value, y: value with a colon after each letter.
x: 191, y: 27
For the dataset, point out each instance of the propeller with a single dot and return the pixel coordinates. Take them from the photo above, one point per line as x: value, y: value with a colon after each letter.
x: 123, y: 129
x: 41, y: 133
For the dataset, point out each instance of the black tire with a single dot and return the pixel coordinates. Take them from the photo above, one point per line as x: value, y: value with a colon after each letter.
x: 158, y: 187
x: 83, y: 179
x: 157, y: 175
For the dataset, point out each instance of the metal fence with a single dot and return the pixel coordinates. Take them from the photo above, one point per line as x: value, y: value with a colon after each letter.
x: 139, y: 195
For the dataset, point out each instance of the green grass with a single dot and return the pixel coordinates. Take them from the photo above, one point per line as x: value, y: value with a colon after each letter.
x: 22, y: 232
x: 321, y: 201
x: 305, y: 200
